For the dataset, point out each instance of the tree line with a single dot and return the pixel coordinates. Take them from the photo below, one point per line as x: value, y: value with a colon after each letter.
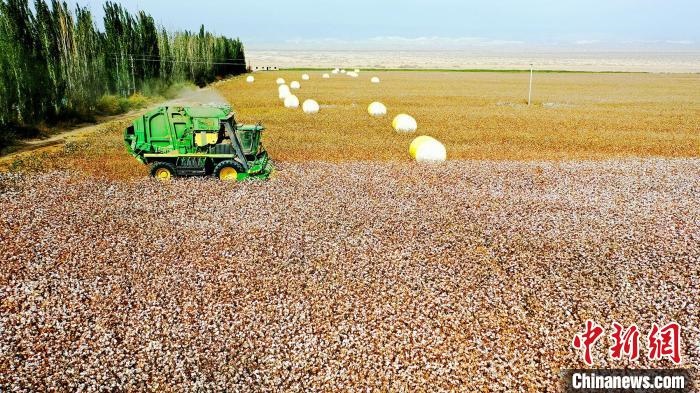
x: 56, y: 64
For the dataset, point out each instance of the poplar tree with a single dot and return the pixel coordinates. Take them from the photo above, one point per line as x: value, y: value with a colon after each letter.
x: 55, y: 64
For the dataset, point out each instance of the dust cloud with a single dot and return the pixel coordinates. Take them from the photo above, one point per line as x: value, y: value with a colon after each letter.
x: 199, y: 96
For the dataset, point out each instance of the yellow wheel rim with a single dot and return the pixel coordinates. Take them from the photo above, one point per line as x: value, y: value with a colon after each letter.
x: 163, y: 174
x: 228, y: 174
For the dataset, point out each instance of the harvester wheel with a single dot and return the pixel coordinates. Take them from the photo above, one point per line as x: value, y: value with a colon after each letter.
x: 163, y: 171
x: 228, y: 170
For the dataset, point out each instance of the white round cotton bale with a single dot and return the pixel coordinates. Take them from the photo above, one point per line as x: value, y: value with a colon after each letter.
x: 325, y: 76
x: 415, y: 144
x: 335, y: 71
x: 404, y: 123
x: 431, y: 150
x: 342, y: 71
x: 357, y: 70
x: 376, y: 109
x: 291, y: 101
x: 284, y: 92
x: 352, y: 74
x: 374, y: 79
x: 305, y: 77
x: 250, y: 79
x: 310, y: 106
x: 280, y: 81
x: 295, y: 85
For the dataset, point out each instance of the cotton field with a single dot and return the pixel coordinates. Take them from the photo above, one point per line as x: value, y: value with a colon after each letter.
x: 431, y: 233
x: 355, y: 276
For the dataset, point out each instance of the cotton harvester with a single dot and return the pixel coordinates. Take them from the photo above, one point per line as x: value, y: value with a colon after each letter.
x: 198, y: 141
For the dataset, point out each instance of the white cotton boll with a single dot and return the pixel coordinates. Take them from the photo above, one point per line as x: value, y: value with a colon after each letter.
x: 250, y: 79
x: 280, y: 81
x: 374, y: 79
x: 295, y: 85
x: 291, y: 101
x: 305, y: 77
x: 325, y: 76
x: 431, y: 150
x: 284, y: 92
x: 376, y: 109
x: 404, y: 123
x: 310, y: 106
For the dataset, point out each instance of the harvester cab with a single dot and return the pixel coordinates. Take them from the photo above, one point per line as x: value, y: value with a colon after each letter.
x: 198, y: 141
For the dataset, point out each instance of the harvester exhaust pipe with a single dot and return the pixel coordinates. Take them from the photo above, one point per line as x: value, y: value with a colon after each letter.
x: 236, y: 145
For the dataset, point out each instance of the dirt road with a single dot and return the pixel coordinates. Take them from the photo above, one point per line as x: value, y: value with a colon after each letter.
x: 186, y: 97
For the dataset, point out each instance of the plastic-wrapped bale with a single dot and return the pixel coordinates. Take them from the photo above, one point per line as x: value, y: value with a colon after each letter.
x: 374, y: 79
x: 310, y: 106
x: 342, y: 71
x: 280, y: 81
x: 335, y: 71
x: 284, y: 92
x: 325, y: 76
x: 413, y: 148
x: 404, y: 123
x: 430, y: 150
x: 250, y: 79
x: 295, y: 85
x: 291, y: 101
x: 357, y: 70
x: 376, y: 109
x: 305, y: 77
x: 352, y: 74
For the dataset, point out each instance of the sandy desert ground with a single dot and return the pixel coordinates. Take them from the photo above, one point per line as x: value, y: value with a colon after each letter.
x: 354, y: 268
x: 678, y: 61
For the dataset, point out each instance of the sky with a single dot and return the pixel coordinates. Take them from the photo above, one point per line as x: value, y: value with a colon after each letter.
x: 436, y: 24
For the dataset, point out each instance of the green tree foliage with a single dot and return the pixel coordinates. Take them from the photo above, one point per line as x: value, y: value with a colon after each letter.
x: 55, y: 63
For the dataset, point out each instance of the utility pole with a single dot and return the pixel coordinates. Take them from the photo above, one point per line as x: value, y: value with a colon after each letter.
x: 529, y: 93
x: 133, y: 78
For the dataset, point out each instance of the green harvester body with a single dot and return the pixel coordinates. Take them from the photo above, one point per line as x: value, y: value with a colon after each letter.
x: 198, y: 141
